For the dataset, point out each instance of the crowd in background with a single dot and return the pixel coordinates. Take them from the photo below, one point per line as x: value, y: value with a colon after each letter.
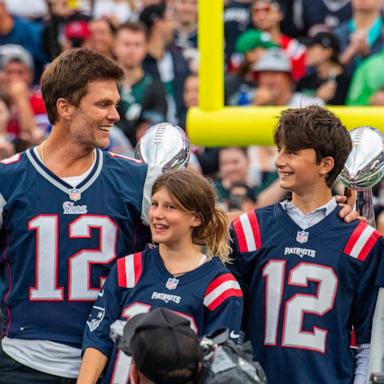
x: 277, y: 52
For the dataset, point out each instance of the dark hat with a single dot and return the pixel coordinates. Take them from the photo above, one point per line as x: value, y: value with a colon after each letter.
x: 163, y: 346
x: 151, y: 14
x: 253, y: 38
x: 326, y: 40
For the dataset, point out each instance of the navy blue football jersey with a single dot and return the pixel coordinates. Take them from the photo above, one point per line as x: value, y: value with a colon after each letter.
x: 304, y: 290
x: 208, y: 296
x: 58, y: 243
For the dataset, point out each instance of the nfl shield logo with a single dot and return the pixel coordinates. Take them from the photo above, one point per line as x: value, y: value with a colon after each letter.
x: 74, y: 194
x: 172, y: 283
x: 302, y: 236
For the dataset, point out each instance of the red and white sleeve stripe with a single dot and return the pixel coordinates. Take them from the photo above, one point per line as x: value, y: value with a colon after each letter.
x: 362, y: 240
x: 220, y: 289
x: 13, y: 159
x: 129, y: 270
x: 247, y: 231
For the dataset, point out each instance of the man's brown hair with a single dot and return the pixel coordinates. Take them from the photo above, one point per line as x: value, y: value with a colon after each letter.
x: 133, y: 27
x: 316, y: 128
x: 70, y: 73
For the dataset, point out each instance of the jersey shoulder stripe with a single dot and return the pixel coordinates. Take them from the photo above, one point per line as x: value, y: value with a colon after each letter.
x: 116, y: 155
x: 220, y: 289
x: 361, y: 241
x: 11, y: 160
x: 247, y: 231
x: 129, y: 270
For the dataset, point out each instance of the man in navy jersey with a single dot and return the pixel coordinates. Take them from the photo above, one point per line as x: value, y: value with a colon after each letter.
x: 308, y: 277
x: 67, y: 211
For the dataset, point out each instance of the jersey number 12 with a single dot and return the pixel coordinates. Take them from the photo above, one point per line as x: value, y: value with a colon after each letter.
x: 79, y: 265
x: 295, y: 308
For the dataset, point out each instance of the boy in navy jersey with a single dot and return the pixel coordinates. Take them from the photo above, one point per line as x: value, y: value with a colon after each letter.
x: 185, y: 274
x: 308, y: 277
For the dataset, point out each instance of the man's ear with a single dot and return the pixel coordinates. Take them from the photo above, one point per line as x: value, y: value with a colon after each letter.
x: 64, y: 108
x: 327, y: 164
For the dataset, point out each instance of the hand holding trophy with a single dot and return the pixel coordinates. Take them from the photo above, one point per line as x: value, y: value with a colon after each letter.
x: 364, y: 168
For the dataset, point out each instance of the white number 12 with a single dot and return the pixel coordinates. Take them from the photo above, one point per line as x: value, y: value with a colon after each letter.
x: 298, y: 305
x: 79, y: 265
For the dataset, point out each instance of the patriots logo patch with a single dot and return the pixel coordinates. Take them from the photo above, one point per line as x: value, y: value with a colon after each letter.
x: 95, y: 322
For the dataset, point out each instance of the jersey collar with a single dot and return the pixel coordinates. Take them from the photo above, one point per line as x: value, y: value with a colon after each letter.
x: 60, y: 183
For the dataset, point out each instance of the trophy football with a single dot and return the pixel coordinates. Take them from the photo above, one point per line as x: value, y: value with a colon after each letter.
x: 164, y: 145
x: 364, y: 168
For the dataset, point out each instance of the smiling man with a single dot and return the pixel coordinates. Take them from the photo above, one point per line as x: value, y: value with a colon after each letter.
x: 67, y: 211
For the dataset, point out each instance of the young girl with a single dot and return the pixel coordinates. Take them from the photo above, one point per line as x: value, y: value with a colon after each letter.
x: 185, y: 273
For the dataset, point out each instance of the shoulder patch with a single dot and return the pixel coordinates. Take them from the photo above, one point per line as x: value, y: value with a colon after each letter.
x: 129, y: 270
x: 361, y: 241
x: 247, y: 231
x: 11, y: 160
x: 116, y: 155
x: 220, y: 289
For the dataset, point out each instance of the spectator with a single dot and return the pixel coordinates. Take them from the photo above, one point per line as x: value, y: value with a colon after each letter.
x: 241, y: 197
x: 191, y: 92
x: 186, y: 31
x: 190, y: 96
x: 368, y: 82
x: 29, y: 117
x: 34, y: 10
x: 20, y: 31
x: 377, y: 98
x: 175, y: 357
x: 276, y: 83
x: 53, y: 26
x: 118, y: 11
x: 142, y: 97
x: 328, y: 82
x: 7, y: 147
x: 310, y: 17
x: 203, y: 160
x: 164, y: 61
x: 236, y: 21
x: 102, y: 35
x: 362, y: 35
x: 267, y: 16
x: 76, y: 32
x: 233, y: 167
x: 241, y: 85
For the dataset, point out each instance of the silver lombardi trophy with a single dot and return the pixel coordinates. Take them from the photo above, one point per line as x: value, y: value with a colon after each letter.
x: 164, y: 145
x: 364, y: 168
